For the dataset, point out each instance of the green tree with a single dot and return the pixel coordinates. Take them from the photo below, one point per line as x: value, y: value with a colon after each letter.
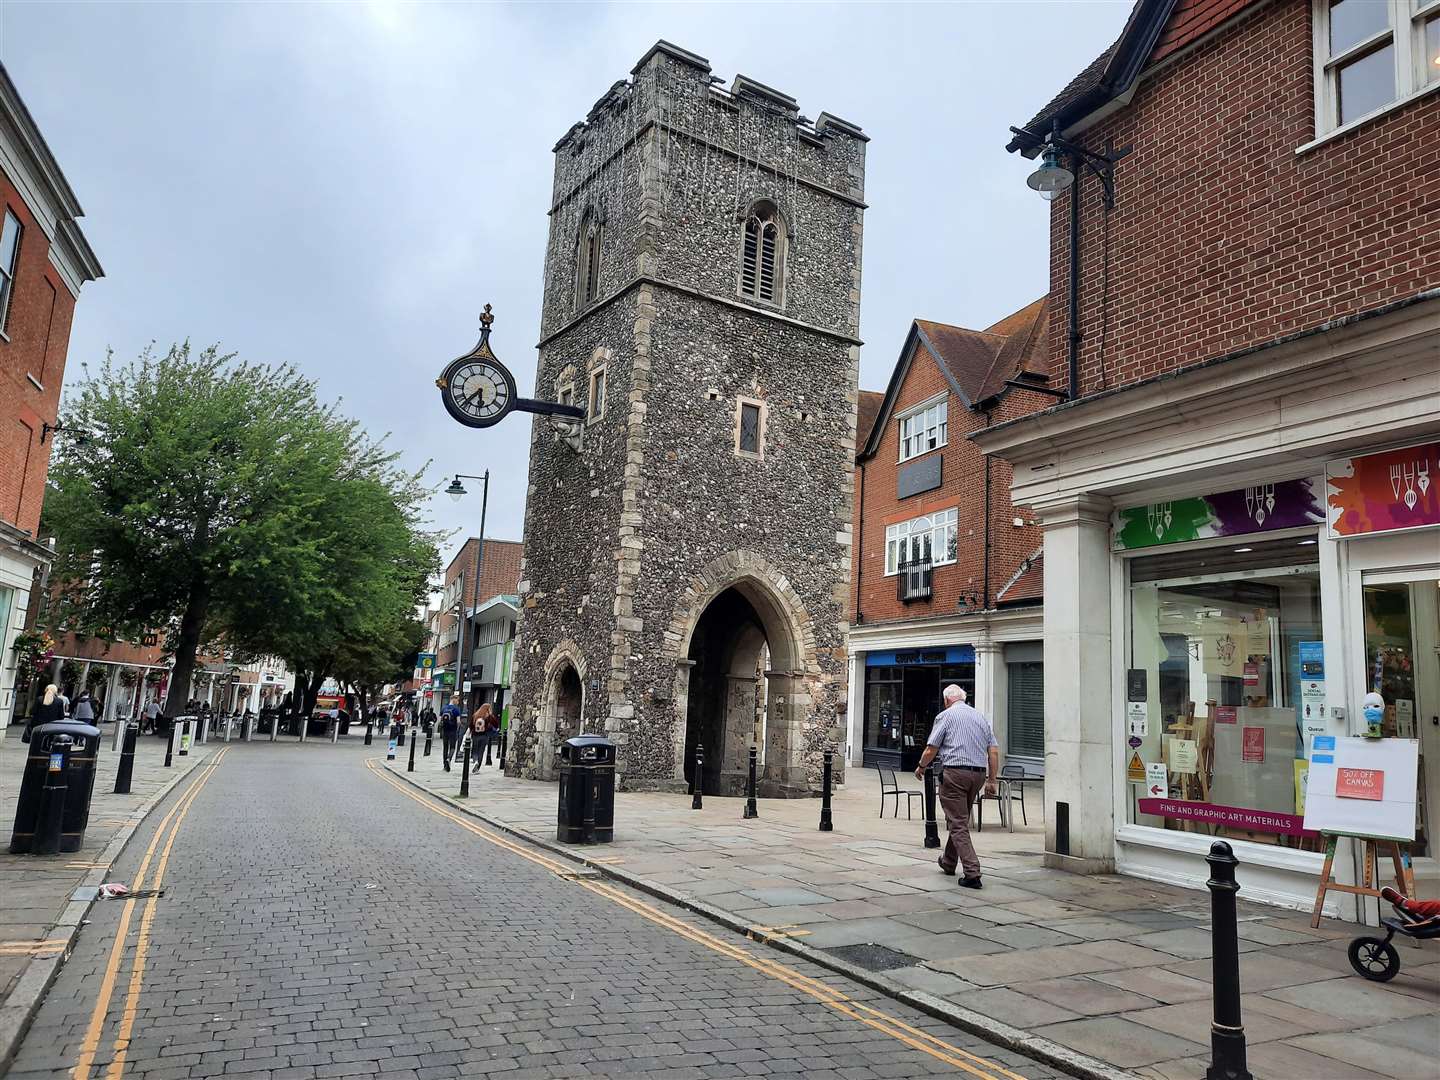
x: 202, y: 500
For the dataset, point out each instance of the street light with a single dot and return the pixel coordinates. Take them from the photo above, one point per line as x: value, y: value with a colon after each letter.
x: 455, y: 491
x: 1051, y: 178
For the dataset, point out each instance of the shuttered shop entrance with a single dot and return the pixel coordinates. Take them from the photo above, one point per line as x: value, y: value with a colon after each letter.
x: 1026, y: 709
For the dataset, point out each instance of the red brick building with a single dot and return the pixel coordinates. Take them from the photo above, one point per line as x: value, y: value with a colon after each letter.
x: 1241, y: 504
x: 947, y: 575
x: 44, y: 262
x: 498, y: 575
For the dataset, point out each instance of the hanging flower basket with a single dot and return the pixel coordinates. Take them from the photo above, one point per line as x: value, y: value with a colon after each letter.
x: 34, y: 651
x: 129, y: 677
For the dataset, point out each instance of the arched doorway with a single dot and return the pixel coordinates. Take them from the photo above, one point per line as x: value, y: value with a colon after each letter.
x: 561, y: 714
x: 739, y: 681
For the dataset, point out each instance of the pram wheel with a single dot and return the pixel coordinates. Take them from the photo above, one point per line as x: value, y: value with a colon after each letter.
x: 1374, y: 958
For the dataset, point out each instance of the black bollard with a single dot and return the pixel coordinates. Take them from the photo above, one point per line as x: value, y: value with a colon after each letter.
x: 489, y: 742
x: 932, y: 832
x: 826, y: 825
x: 429, y: 737
x: 504, y: 739
x: 751, y: 810
x: 465, y: 771
x: 185, y: 738
x: 411, y: 767
x: 696, y: 801
x: 127, y: 760
x: 400, y: 737
x: 1227, y: 1033
x: 170, y: 746
x: 369, y: 732
x: 51, y: 818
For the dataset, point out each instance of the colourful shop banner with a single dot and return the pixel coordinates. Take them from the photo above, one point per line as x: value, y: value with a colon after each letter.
x: 1385, y: 492
x: 1232, y: 817
x: 1286, y: 504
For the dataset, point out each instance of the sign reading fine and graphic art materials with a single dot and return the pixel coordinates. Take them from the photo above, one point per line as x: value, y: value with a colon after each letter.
x: 1285, y: 504
x: 1367, y: 790
x: 1385, y: 492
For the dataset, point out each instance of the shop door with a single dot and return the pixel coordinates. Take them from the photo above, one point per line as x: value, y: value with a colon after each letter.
x: 920, y: 702
x: 1402, y: 665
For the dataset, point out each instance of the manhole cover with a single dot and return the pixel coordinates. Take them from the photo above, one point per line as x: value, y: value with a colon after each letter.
x: 873, y: 957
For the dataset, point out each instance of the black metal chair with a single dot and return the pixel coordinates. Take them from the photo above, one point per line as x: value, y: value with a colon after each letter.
x: 1016, y: 776
x: 890, y: 786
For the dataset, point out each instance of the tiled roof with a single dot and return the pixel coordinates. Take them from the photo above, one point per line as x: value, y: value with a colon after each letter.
x: 967, y: 354
x: 1028, y: 583
x: 867, y: 410
x: 1024, y: 349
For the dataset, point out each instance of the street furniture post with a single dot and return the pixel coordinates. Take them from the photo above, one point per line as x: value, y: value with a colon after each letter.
x: 696, y: 800
x: 826, y: 824
x: 465, y: 771
x: 170, y: 745
x: 369, y: 731
x: 932, y: 831
x: 127, y: 760
x: 751, y: 809
x: 49, y: 824
x: 411, y: 766
x: 1227, y: 1033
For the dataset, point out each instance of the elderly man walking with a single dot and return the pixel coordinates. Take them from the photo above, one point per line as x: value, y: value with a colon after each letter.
x: 965, y: 743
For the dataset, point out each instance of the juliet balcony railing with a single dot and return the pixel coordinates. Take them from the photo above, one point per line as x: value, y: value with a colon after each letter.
x: 914, y: 579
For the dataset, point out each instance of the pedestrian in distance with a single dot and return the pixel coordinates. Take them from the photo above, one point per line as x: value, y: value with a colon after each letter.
x: 449, y: 733
x: 48, y: 711
x: 964, y: 741
x: 84, y: 710
x: 479, y: 725
x: 152, y: 717
x: 492, y: 730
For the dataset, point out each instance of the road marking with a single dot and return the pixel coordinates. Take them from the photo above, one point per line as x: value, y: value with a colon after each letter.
x: 827, y: 995
x: 91, y: 1042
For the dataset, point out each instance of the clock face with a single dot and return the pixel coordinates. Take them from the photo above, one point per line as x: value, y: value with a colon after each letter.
x: 476, y: 391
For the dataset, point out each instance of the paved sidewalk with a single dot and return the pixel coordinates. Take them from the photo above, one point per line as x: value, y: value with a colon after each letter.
x: 1112, y: 967
x: 38, y: 918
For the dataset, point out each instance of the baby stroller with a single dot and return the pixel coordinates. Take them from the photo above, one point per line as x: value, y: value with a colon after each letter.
x: 1375, y: 958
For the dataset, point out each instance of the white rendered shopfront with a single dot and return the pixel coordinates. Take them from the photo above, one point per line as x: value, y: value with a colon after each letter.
x: 1284, y: 593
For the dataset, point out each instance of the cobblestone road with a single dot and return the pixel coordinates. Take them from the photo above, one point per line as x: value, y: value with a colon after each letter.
x: 318, y: 921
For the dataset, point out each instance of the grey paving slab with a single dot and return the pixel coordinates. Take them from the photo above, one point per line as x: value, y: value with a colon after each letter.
x: 1261, y: 972
x: 1354, y: 998
x: 784, y: 897
x: 1083, y: 995
x: 1012, y: 1007
x: 1281, y: 1060
x: 1191, y: 1022
x: 1121, y: 1041
x: 1163, y: 985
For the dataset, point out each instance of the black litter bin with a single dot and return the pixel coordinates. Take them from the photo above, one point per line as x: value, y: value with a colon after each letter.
x: 79, y: 777
x: 587, y: 791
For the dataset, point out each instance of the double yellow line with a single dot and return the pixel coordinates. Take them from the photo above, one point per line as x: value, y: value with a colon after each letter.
x: 827, y: 995
x: 162, y: 842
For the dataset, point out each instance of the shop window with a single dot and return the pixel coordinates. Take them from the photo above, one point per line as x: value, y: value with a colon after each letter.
x: 1025, y: 710
x: 882, y: 708
x: 1216, y: 641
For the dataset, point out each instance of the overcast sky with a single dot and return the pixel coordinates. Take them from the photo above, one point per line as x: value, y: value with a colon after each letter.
x: 343, y: 185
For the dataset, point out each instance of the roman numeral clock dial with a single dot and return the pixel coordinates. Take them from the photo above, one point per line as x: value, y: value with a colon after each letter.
x: 476, y: 389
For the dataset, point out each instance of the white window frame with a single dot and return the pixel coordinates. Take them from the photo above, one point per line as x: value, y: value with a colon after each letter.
x: 941, y: 526
x: 1405, y: 34
x: 939, y: 424
x: 8, y: 268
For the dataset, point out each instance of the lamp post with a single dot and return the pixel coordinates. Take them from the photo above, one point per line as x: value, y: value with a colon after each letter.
x: 457, y: 491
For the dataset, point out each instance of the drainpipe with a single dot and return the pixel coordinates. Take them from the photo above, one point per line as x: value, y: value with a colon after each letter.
x: 860, y: 545
x: 1073, y: 338
x: 989, y: 513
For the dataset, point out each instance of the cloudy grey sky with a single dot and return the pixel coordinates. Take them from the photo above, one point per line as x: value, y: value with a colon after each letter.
x: 343, y: 185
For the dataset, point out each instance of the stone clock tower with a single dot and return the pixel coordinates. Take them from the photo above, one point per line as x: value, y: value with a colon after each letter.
x: 687, y: 546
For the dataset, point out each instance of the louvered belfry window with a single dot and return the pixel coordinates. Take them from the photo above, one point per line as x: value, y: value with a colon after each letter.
x: 587, y: 261
x: 760, y: 260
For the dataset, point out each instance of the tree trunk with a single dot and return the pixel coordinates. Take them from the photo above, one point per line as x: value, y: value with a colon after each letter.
x: 312, y: 691
x: 192, y: 625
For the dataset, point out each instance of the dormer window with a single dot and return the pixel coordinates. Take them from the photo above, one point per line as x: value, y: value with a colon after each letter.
x: 762, y: 258
x: 587, y: 259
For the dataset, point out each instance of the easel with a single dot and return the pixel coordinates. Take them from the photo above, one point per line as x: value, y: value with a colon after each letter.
x: 1403, y: 881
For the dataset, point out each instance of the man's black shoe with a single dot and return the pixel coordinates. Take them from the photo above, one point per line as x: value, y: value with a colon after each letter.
x: 969, y: 883
x: 947, y: 873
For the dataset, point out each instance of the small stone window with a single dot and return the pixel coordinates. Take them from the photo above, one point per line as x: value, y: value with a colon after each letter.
x: 566, y: 395
x: 587, y: 259
x: 596, y: 403
x: 750, y: 428
x: 762, y: 255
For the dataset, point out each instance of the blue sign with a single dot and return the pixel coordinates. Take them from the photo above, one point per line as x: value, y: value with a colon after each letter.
x: 1324, y: 742
x: 1312, y: 659
x: 57, y: 762
x: 944, y: 654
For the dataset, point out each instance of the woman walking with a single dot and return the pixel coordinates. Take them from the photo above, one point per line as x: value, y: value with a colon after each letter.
x: 50, y: 709
x: 449, y: 730
x: 479, y: 725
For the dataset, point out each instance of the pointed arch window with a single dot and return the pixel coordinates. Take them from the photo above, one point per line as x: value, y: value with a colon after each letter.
x: 587, y: 259
x: 762, y: 258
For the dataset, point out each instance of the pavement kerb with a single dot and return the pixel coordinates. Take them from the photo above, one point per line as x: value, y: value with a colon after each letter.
x: 1033, y: 1046
x: 19, y: 1009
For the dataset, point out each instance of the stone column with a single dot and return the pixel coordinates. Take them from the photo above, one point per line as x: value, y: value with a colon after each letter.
x: 990, y: 688
x: 788, y: 702
x: 1080, y: 724
x: 856, y: 709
